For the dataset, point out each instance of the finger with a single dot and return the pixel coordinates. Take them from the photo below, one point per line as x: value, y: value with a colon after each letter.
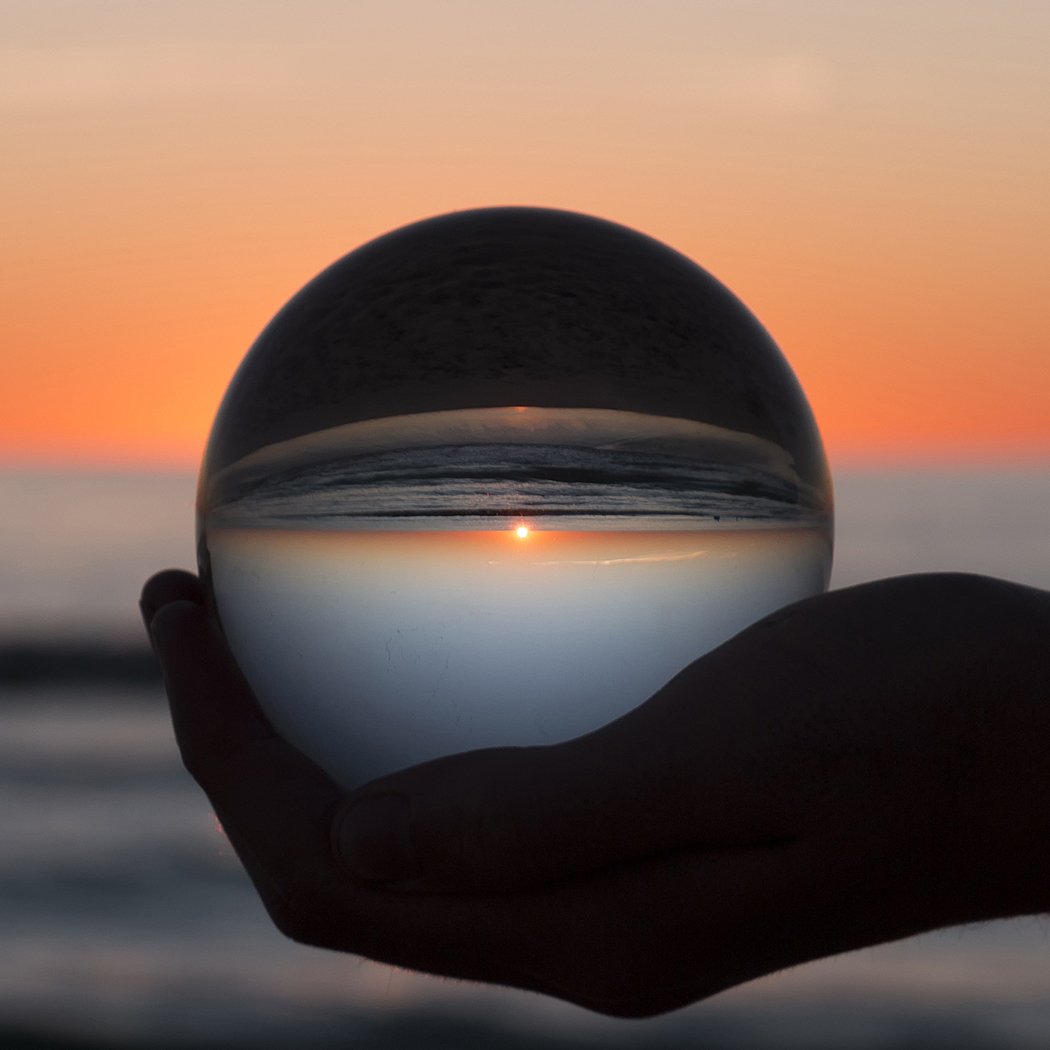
x: 168, y: 586
x: 632, y: 940
x: 274, y: 803
x: 215, y: 712
x: 657, y: 933
x: 683, y: 770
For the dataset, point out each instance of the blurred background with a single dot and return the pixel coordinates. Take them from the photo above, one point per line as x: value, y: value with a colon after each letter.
x: 869, y: 177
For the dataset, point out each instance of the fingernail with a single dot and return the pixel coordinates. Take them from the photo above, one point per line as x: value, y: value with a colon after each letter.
x: 372, y: 839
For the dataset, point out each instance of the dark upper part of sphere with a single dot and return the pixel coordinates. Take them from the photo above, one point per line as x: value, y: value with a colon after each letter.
x: 513, y: 306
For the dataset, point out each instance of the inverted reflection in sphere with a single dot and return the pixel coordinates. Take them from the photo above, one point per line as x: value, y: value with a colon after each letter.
x: 494, y: 478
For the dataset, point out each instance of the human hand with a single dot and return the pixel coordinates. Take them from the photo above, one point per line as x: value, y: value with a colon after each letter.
x: 855, y: 768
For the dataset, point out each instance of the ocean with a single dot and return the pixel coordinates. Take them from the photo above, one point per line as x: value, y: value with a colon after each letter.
x: 126, y: 922
x: 493, y: 485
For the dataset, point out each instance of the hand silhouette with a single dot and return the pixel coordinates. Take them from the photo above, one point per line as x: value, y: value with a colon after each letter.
x: 855, y: 768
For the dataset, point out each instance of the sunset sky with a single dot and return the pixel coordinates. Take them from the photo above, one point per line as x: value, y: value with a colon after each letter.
x: 870, y: 177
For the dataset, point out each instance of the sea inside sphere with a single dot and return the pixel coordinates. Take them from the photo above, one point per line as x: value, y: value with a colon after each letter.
x: 493, y: 479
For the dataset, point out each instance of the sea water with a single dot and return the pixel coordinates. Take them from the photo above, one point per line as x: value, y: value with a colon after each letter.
x: 373, y: 650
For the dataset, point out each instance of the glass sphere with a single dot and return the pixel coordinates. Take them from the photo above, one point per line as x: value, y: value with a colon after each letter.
x: 493, y: 479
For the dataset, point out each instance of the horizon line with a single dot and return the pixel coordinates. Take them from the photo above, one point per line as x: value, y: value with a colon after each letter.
x: 852, y: 460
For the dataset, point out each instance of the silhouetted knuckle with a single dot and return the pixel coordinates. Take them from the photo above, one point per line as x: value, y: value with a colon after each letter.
x: 207, y: 764
x: 302, y: 919
x: 196, y: 762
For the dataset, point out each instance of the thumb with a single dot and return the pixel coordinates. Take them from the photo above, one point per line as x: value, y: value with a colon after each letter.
x: 664, y: 777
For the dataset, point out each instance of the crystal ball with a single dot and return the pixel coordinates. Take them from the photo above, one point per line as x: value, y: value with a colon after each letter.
x: 493, y: 479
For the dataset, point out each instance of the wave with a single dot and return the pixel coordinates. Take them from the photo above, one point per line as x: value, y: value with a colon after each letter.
x: 507, y: 481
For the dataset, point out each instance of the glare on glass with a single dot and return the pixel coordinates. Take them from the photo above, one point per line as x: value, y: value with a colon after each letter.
x: 493, y: 479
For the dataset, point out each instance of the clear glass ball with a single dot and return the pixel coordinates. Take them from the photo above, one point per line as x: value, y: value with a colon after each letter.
x: 493, y: 479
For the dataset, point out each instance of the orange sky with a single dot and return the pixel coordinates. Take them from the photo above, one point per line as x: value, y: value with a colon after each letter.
x: 871, y: 178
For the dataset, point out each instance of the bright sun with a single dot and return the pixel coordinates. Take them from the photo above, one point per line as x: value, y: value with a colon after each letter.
x: 521, y: 531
